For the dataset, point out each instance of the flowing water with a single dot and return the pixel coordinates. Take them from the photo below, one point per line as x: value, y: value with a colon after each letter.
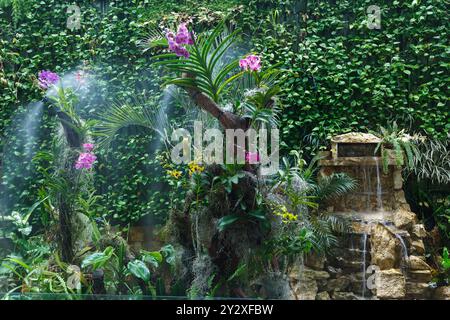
x: 364, y: 253
x: 17, y: 164
x: 379, y: 190
x: 404, y: 252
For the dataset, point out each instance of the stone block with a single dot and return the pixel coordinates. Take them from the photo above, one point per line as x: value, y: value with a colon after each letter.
x: 390, y: 284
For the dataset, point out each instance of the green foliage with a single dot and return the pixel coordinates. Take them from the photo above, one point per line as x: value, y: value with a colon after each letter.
x: 256, y: 216
x: 445, y: 259
x: 138, y: 269
x: 345, y: 77
x: 106, y: 45
x: 333, y: 186
x: 306, y: 226
x: 98, y: 259
x: 432, y: 161
x: 206, y: 67
x: 403, y: 145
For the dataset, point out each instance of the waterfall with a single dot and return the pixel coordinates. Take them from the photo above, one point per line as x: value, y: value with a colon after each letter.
x: 404, y: 251
x: 19, y: 150
x: 366, y: 186
x: 379, y: 190
x: 364, y: 263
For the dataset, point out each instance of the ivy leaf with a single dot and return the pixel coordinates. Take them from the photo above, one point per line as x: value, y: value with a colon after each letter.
x: 98, y: 259
x: 138, y: 269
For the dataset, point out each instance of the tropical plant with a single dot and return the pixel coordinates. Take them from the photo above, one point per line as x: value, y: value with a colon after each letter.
x: 432, y: 161
x: 204, y: 69
x: 403, y: 145
x: 118, y: 267
x: 302, y: 192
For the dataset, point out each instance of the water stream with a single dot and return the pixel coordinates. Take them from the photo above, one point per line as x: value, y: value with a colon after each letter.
x: 404, y: 252
x: 20, y: 148
x: 379, y: 189
x: 364, y: 263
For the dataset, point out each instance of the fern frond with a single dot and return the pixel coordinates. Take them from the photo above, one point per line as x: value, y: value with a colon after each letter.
x: 333, y: 186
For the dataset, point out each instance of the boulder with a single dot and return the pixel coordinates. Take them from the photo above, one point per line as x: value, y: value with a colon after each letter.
x: 390, y: 284
x: 344, y: 296
x: 418, y: 230
x: 442, y: 293
x: 299, y: 273
x: 304, y: 282
x: 339, y: 284
x: 404, y: 219
x: 417, y: 263
x: 399, y: 198
x: 417, y: 290
x: 323, y: 296
x: 305, y: 290
x: 420, y: 275
x: 315, y: 261
x: 418, y: 247
x: 384, y: 247
x: 335, y: 272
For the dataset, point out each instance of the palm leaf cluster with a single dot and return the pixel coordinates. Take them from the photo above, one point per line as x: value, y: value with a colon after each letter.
x: 125, y: 114
x: 207, y: 67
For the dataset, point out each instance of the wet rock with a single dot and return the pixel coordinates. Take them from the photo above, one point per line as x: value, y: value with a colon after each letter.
x: 404, y: 219
x: 418, y: 247
x: 334, y: 272
x: 323, y: 296
x: 400, y: 201
x: 305, y: 289
x: 390, y: 284
x: 420, y: 275
x: 304, y: 282
x: 339, y: 284
x: 384, y: 246
x: 417, y: 290
x: 418, y: 230
x: 359, y: 287
x: 398, y: 180
x: 315, y: 261
x: 442, y: 293
x: 299, y: 272
x: 417, y: 263
x: 344, y: 296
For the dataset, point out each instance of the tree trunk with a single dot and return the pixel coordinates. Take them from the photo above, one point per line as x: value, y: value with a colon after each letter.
x: 227, y: 119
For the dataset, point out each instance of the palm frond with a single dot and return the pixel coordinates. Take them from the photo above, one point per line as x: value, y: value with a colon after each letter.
x: 124, y: 114
x: 333, y: 186
x: 155, y: 38
x: 209, y: 70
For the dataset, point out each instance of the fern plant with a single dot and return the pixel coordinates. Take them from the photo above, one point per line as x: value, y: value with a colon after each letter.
x: 403, y: 145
